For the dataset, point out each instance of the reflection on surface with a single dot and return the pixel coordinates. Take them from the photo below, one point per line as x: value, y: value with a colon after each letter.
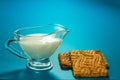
x: 98, y: 78
x: 26, y: 74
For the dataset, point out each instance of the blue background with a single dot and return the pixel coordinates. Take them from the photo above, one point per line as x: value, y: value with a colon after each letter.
x: 93, y: 24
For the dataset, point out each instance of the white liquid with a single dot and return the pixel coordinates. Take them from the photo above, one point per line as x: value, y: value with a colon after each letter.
x: 39, y: 46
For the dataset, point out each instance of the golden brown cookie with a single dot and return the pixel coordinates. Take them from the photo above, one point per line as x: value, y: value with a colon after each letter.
x: 88, y: 63
x: 64, y: 60
x: 104, y: 60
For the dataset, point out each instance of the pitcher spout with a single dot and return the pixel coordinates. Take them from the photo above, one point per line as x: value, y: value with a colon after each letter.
x: 61, y: 32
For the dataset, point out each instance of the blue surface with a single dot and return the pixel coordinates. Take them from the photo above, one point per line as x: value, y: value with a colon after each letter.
x: 93, y: 24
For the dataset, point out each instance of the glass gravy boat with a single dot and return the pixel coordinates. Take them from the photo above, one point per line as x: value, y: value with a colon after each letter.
x: 37, y: 44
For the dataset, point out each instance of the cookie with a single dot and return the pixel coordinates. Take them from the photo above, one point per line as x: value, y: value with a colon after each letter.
x: 88, y: 63
x: 64, y: 60
x: 104, y: 60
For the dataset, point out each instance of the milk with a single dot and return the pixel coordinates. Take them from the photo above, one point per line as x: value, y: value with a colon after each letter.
x: 39, y: 46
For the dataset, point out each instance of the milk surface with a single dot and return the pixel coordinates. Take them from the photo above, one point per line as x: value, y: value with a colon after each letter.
x: 39, y: 46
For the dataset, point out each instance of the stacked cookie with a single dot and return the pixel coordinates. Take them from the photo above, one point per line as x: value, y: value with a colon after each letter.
x: 85, y: 63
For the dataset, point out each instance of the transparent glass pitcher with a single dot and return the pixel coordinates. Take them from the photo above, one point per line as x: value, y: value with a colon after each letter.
x: 37, y: 44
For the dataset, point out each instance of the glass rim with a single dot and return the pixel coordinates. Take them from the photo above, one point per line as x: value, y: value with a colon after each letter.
x: 62, y: 28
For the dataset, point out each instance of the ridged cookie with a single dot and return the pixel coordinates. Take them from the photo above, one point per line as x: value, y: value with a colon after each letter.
x: 64, y: 60
x: 88, y: 63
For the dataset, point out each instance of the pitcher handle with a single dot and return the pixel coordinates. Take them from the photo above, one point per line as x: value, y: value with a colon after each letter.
x: 13, y: 50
